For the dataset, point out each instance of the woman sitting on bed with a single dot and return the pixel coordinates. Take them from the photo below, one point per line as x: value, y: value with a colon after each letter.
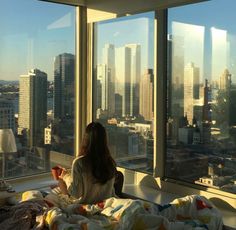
x: 93, y: 172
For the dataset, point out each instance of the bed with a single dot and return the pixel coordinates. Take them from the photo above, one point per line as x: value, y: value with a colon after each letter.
x: 60, y: 212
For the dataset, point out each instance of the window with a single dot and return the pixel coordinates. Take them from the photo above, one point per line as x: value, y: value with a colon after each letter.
x: 124, y: 88
x: 37, y: 43
x: 201, y: 124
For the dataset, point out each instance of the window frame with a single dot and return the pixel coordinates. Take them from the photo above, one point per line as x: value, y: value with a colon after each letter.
x: 160, y: 99
x: 59, y: 157
x: 83, y: 102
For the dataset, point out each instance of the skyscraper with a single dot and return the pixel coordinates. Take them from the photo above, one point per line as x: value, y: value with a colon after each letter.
x: 33, y: 106
x: 191, y: 81
x: 7, y: 120
x: 219, y: 53
x: 107, y: 89
x: 64, y: 71
x: 177, y: 50
x: 123, y: 74
x: 206, y: 115
x: 135, y: 71
x: 108, y: 57
x: 147, y: 95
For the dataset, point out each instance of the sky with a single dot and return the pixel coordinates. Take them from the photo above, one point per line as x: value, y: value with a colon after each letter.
x: 33, y: 32
x: 216, y: 18
x: 136, y: 29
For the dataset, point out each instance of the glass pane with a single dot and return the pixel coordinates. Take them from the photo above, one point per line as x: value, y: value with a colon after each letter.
x: 201, y: 123
x: 37, y: 43
x: 124, y: 86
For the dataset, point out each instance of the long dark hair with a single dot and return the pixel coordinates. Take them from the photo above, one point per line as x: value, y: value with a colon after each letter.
x: 97, y: 155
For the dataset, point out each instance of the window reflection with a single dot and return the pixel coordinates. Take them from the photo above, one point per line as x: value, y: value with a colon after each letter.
x: 124, y: 87
x: 201, y: 145
x: 36, y: 84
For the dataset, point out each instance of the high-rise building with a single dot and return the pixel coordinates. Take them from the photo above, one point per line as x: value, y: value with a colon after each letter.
x: 220, y: 52
x: 135, y: 72
x: 118, y: 105
x: 64, y: 71
x: 7, y: 120
x: 225, y: 80
x: 206, y: 115
x: 191, y: 81
x: 127, y: 72
x: 107, y: 89
x: 146, y: 104
x: 33, y: 106
x: 108, y: 56
x: 123, y: 74
x: 177, y: 58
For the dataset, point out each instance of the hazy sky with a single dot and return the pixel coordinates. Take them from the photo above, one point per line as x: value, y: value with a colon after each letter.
x: 33, y: 32
x: 216, y: 17
x: 136, y: 29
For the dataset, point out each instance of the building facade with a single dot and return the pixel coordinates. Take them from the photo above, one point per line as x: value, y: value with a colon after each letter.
x: 64, y: 71
x: 191, y: 90
x: 147, y: 95
x: 33, y: 106
x: 7, y: 120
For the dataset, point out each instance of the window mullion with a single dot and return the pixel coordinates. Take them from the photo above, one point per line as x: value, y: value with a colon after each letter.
x: 160, y: 98
x: 81, y: 74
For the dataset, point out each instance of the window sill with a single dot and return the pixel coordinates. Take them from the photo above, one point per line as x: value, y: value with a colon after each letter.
x: 161, y: 197
x: 38, y: 182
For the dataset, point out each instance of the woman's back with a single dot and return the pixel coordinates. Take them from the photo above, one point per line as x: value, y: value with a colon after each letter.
x: 85, y: 187
x: 93, y: 172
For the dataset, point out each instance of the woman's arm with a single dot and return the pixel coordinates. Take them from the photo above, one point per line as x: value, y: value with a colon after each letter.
x: 62, y: 186
x: 61, y: 183
x: 75, y: 188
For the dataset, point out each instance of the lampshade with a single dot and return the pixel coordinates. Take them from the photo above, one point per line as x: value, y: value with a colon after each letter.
x: 7, y: 141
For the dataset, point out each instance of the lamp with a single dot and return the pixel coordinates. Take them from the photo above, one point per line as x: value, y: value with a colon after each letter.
x: 7, y: 145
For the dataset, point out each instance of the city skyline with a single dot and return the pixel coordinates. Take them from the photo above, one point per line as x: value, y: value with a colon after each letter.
x: 200, y: 85
x: 34, y: 43
x: 37, y: 39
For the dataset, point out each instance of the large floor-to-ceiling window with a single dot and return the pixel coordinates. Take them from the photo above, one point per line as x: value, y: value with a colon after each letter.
x: 37, y: 72
x: 37, y: 94
x: 201, y: 124
x: 123, y: 93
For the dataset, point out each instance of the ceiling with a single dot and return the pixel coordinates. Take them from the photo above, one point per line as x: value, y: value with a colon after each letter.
x: 122, y: 7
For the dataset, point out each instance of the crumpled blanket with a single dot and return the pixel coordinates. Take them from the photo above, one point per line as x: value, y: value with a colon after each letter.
x: 187, y: 213
x: 59, y: 212
x: 23, y: 216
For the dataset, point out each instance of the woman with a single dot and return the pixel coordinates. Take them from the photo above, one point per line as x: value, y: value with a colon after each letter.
x: 93, y: 172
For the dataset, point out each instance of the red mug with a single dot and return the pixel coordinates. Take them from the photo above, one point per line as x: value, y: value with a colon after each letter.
x: 56, y: 172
